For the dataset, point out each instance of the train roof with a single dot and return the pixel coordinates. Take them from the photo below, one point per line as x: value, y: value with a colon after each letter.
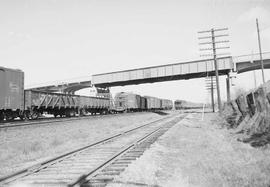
x: 9, y: 69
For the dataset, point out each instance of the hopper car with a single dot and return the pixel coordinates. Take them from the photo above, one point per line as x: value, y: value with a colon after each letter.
x: 37, y: 103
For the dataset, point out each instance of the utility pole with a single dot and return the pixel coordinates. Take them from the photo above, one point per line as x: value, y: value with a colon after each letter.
x: 216, y: 68
x: 260, y: 49
x: 211, y: 86
x: 212, y: 94
x: 254, y: 73
x: 214, y: 54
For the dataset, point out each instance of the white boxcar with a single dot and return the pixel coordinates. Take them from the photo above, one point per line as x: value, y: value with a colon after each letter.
x: 153, y: 103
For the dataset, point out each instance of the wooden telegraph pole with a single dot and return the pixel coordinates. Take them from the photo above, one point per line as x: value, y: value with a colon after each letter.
x: 260, y: 49
x: 213, y: 42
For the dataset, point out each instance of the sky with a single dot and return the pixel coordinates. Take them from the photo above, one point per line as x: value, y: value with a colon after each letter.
x: 56, y: 41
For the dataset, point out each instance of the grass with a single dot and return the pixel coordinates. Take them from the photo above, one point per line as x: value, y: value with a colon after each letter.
x: 207, y: 156
x: 22, y: 147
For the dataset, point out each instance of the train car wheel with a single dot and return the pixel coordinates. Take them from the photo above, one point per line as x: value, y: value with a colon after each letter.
x: 68, y: 113
x: 9, y: 117
x: 34, y: 115
x: 2, y: 116
x: 82, y: 112
x: 72, y: 113
x: 21, y: 117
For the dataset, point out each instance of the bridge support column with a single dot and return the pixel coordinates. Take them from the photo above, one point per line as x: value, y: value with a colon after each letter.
x: 228, y: 88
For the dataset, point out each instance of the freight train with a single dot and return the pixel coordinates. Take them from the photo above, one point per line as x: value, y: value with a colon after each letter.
x: 125, y: 102
x: 30, y: 104
x: 17, y: 102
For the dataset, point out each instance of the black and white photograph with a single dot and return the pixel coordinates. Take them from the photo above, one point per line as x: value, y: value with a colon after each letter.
x: 134, y: 93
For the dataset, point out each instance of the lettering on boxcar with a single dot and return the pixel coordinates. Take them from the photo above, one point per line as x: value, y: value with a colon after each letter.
x: 14, y: 87
x: 7, y: 101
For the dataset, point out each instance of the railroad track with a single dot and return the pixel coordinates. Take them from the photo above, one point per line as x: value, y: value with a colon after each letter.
x: 96, y: 164
x: 41, y: 121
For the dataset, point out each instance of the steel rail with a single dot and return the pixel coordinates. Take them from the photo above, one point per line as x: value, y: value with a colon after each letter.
x: 86, y: 179
x: 121, y: 152
x: 7, y: 125
x: 44, y: 164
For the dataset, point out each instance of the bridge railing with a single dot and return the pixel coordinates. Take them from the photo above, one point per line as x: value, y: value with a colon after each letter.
x: 250, y: 57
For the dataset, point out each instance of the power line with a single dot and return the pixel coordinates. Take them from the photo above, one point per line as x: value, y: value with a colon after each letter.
x: 214, y: 42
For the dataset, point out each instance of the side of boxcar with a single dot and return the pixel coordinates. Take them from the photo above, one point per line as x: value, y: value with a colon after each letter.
x: 178, y: 105
x: 120, y: 102
x: 127, y: 102
x: 153, y: 103
x: 11, y: 93
x: 143, y: 104
x: 166, y: 104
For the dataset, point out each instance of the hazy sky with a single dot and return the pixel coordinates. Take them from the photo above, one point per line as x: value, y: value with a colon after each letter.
x: 52, y: 40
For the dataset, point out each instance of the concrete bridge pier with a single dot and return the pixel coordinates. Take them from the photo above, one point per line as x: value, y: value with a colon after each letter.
x: 228, y: 84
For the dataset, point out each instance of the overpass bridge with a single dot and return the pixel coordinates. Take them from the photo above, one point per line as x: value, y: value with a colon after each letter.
x: 245, y: 63
x: 168, y: 72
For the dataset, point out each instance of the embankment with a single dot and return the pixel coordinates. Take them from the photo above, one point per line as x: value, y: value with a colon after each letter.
x: 249, y: 116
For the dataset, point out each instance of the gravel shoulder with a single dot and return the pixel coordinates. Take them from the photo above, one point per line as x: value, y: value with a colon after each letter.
x: 24, y: 146
x: 198, y: 153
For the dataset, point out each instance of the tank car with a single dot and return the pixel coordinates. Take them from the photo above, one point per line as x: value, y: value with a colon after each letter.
x: 11, y: 93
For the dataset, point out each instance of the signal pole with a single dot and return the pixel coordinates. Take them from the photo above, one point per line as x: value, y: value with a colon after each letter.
x: 214, y: 54
x: 260, y: 49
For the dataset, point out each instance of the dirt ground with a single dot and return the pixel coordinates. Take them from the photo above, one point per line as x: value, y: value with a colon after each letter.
x: 24, y: 146
x: 198, y: 153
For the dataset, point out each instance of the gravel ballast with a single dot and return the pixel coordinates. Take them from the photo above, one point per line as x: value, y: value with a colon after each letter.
x: 198, y: 152
x: 24, y: 146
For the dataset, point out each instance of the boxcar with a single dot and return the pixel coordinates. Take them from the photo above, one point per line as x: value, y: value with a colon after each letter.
x: 127, y: 102
x: 153, y: 103
x: 11, y: 93
x: 143, y: 104
x: 178, y: 104
x: 166, y: 104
